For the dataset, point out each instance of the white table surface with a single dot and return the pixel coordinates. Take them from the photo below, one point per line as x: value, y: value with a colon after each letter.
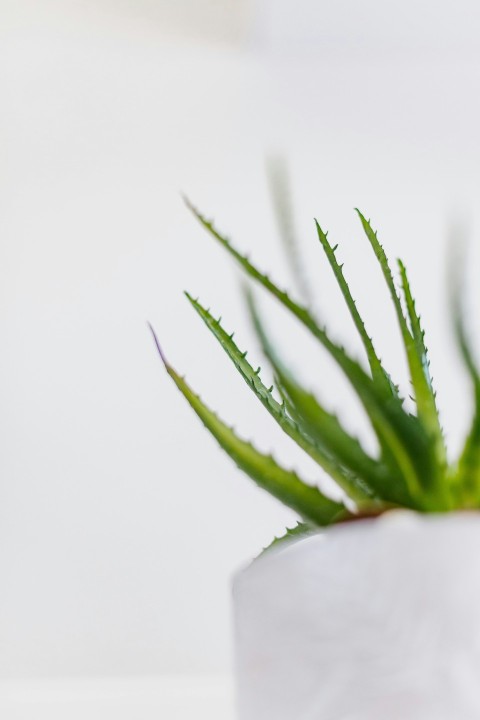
x: 159, y: 698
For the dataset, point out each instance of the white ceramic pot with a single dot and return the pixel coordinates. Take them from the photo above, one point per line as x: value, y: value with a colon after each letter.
x: 372, y: 620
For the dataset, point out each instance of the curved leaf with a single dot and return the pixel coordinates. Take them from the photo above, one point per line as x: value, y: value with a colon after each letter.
x: 278, y: 177
x: 299, y: 532
x: 378, y: 371
x: 430, y: 407
x: 401, y: 436
x: 380, y: 479
x: 329, y: 462
x: 424, y: 395
x: 467, y: 477
x: 283, y: 484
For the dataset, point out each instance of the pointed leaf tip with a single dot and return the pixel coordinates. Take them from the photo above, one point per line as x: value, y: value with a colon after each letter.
x: 158, y: 346
x: 187, y: 201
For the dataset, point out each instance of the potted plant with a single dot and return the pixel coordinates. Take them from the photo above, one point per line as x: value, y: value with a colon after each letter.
x: 377, y: 618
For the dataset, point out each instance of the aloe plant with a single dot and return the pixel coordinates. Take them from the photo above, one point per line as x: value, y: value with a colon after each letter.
x: 411, y: 468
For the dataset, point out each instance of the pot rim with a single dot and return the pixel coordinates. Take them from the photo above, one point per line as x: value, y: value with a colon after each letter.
x: 401, y: 517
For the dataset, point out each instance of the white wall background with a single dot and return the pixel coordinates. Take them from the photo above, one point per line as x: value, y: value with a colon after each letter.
x: 120, y: 522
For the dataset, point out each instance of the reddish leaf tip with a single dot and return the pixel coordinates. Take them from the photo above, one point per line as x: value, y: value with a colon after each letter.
x: 158, y: 346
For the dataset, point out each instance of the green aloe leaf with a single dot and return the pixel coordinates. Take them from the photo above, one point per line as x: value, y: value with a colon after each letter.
x: 378, y: 478
x: 467, y: 477
x: 299, y: 532
x: 355, y: 489
x: 422, y: 353
x: 420, y: 377
x: 378, y: 371
x: 401, y: 437
x: 326, y: 429
x: 279, y: 184
x: 283, y: 484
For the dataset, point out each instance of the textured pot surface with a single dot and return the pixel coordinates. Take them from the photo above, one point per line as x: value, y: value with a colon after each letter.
x: 372, y: 620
